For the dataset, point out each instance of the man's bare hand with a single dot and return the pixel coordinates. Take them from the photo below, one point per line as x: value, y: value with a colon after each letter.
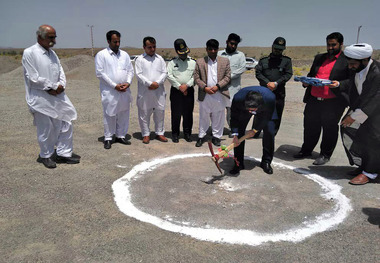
x: 334, y: 84
x: 271, y: 86
x: 118, y: 87
x: 347, y: 121
x: 52, y: 92
x: 183, y: 88
x: 251, y: 133
x: 209, y: 90
x: 60, y: 89
x: 235, y: 141
x: 154, y: 86
x: 214, y: 88
x: 124, y: 87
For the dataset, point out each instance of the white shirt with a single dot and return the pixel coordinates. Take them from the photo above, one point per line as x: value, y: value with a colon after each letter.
x: 43, y: 71
x: 213, y: 102
x: 112, y: 69
x: 237, y: 64
x: 150, y: 69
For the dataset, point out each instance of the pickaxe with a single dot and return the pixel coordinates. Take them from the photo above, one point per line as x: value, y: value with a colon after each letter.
x: 224, y: 153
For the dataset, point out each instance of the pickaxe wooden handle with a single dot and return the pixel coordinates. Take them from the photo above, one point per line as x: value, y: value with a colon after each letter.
x: 215, y: 157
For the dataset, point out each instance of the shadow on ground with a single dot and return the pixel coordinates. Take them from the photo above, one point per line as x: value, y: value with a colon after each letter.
x: 373, y: 215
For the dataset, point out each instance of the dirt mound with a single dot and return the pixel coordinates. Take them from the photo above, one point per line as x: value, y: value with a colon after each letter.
x: 8, y: 63
x: 79, y: 67
x: 75, y: 62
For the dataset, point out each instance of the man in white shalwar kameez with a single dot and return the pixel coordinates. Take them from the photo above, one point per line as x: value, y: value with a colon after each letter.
x: 52, y: 110
x: 115, y: 73
x: 151, y: 74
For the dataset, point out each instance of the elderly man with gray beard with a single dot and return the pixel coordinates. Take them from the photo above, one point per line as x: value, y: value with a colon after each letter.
x: 52, y: 110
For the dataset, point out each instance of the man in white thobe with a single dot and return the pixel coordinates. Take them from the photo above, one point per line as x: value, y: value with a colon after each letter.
x: 115, y: 73
x: 151, y: 74
x: 52, y: 110
x: 237, y: 64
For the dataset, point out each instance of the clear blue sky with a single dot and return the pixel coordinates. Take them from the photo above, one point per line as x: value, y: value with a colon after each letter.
x: 258, y: 22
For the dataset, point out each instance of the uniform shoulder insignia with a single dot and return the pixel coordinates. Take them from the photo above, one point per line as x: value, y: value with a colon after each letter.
x: 287, y: 57
x: 264, y: 58
x: 193, y: 59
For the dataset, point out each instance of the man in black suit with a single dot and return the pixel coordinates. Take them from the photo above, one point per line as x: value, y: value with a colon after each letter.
x: 324, y: 106
x: 258, y: 101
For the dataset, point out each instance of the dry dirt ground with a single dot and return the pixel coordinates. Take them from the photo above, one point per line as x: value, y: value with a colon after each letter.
x: 69, y: 214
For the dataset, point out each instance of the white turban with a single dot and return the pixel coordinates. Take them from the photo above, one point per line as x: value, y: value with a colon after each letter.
x: 358, y: 51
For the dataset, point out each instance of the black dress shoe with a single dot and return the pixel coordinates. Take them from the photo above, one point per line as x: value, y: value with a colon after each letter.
x: 215, y: 141
x: 199, y: 142
x: 321, y: 160
x: 187, y: 137
x: 237, y: 169
x: 175, y: 138
x: 107, y: 144
x: 301, y: 155
x: 76, y: 156
x: 266, y: 167
x: 68, y: 160
x: 48, y: 162
x: 355, y: 172
x: 123, y: 141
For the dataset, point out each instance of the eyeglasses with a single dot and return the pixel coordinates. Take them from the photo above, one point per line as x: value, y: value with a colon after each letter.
x: 52, y: 37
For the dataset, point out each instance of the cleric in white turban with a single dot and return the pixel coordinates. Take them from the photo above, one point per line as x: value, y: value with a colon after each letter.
x: 360, y: 128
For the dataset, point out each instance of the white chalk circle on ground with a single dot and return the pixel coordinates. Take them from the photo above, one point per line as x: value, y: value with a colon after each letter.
x: 323, y: 222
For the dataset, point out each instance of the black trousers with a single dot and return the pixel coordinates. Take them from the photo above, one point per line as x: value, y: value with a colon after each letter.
x: 268, y: 138
x: 321, y: 116
x: 182, y: 106
x: 270, y: 131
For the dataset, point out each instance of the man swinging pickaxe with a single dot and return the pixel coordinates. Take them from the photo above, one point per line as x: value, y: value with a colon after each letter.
x: 258, y: 101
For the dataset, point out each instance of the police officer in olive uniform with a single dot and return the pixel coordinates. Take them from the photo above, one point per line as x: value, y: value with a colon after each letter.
x: 180, y: 76
x: 273, y: 72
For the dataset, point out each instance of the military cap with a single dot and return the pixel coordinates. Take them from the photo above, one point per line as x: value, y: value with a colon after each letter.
x: 279, y: 43
x: 180, y: 46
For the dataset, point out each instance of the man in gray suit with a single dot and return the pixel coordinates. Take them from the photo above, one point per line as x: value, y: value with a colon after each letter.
x: 212, y: 75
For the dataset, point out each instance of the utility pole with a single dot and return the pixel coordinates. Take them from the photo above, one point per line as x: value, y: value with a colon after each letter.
x: 357, y: 38
x: 92, y: 40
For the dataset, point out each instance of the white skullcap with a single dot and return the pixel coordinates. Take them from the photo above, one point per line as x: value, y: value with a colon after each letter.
x: 358, y: 51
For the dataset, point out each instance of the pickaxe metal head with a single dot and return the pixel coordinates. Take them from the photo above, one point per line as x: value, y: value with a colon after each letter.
x: 215, y: 158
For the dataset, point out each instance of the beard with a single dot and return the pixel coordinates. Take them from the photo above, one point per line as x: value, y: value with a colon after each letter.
x: 360, y: 68
x: 230, y: 50
x: 333, y: 52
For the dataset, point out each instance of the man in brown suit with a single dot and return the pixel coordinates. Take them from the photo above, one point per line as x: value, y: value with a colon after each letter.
x: 212, y: 75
